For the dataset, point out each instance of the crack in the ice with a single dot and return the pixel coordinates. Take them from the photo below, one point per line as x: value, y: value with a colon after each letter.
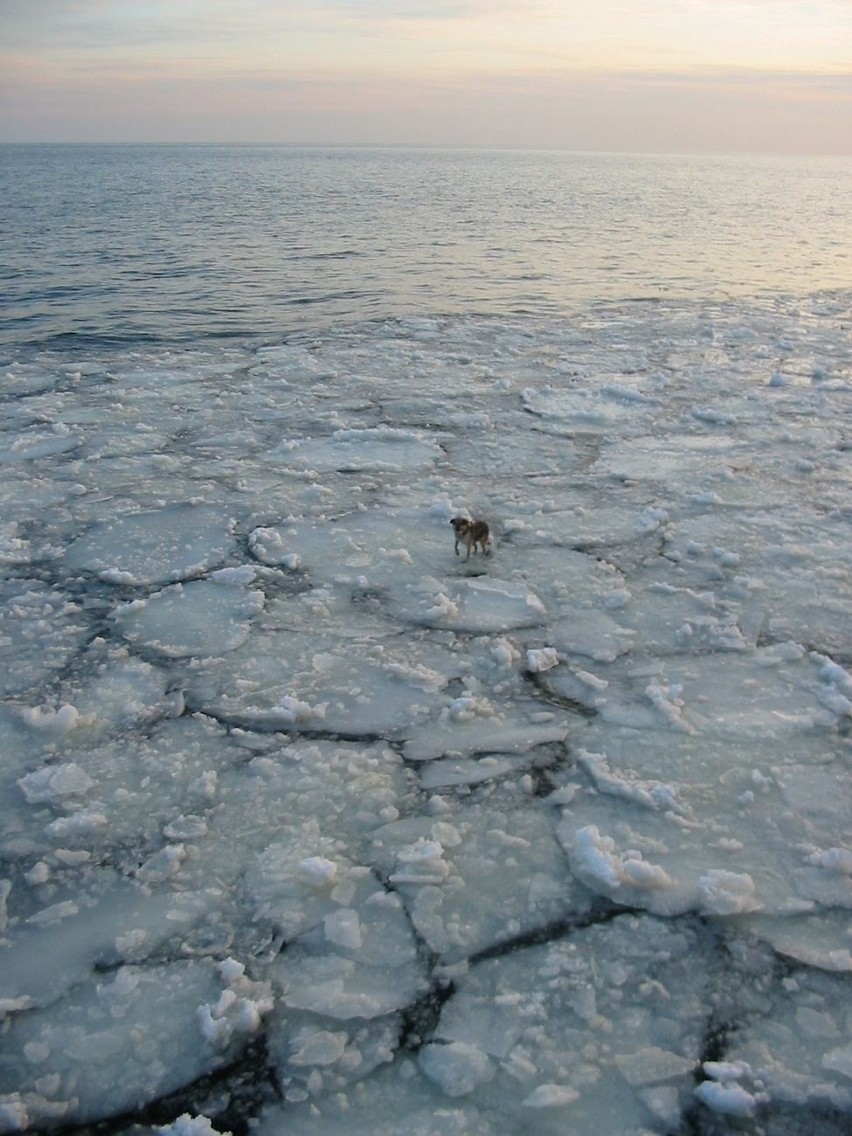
x: 258, y: 726
x: 603, y: 911
x: 420, y: 1018
x: 563, y: 701
x: 231, y: 1097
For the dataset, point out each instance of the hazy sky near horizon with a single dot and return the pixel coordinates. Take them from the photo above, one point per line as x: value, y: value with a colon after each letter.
x: 677, y: 75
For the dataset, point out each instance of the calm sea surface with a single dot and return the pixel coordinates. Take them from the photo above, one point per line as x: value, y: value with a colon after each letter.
x: 123, y: 245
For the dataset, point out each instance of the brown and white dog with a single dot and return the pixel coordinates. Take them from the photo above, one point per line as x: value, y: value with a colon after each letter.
x: 471, y: 533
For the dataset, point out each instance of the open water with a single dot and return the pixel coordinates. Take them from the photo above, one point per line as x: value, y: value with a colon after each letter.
x: 128, y: 245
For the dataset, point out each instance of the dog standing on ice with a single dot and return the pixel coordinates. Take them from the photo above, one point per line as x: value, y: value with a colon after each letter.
x: 471, y: 533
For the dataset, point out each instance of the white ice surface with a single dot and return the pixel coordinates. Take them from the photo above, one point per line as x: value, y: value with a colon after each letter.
x: 553, y: 838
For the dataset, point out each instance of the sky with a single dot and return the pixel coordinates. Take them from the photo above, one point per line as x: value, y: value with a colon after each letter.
x: 633, y: 75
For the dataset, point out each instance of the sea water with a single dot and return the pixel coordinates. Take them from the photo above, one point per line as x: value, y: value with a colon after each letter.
x: 312, y: 824
x: 130, y: 244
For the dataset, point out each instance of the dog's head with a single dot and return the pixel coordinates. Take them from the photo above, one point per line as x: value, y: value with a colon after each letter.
x: 461, y: 525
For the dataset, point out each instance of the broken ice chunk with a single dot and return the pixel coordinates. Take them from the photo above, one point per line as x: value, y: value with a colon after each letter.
x: 55, y: 782
x: 421, y: 863
x: 542, y: 659
x: 456, y: 1067
x: 727, y: 893
x: 551, y: 1096
x: 595, y: 861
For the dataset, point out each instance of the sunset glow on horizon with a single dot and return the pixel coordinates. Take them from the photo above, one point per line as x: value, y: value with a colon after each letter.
x: 676, y: 75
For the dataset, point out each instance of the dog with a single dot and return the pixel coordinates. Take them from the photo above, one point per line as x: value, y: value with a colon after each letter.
x: 471, y: 533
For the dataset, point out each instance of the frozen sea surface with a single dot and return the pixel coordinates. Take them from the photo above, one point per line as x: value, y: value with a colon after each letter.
x: 311, y: 824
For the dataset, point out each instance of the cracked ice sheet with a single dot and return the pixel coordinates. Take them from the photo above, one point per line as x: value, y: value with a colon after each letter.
x: 234, y: 830
x: 360, y: 962
x: 370, y: 548
x: 107, y: 799
x: 391, y: 553
x: 609, y: 406
x: 600, y: 1032
x: 356, y: 685
x: 788, y: 691
x: 117, y: 923
x: 108, y: 691
x: 767, y: 1062
x: 479, y: 873
x: 668, y: 823
x: 191, y: 803
x: 373, y: 553
x: 164, y: 1024
x: 794, y: 570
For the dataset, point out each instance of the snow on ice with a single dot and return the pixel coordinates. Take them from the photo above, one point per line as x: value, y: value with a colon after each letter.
x: 310, y: 823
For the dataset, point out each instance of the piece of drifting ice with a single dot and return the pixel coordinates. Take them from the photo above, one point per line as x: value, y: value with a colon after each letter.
x: 479, y: 736
x: 238, y: 1010
x: 592, y: 634
x: 343, y: 928
x: 174, y: 543
x: 379, y: 448
x: 33, y: 446
x: 651, y: 1065
x: 456, y: 1067
x: 551, y: 1096
x: 542, y: 659
x: 663, y: 1102
x: 727, y: 893
x: 816, y: 937
x: 269, y: 546
x: 649, y: 794
x: 478, y: 605
x: 13, y: 1113
x: 302, y: 1049
x: 450, y: 771
x: 186, y: 828
x: 839, y: 1061
x: 420, y: 863
x: 317, y: 872
x: 596, y: 861
x: 52, y: 722
x: 834, y: 860
x: 354, y: 685
x: 55, y: 782
x: 582, y: 410
x: 322, y: 1047
x: 162, y: 865
x: 728, y: 1098
x: 203, y: 617
x: 187, y: 1125
x: 338, y: 988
